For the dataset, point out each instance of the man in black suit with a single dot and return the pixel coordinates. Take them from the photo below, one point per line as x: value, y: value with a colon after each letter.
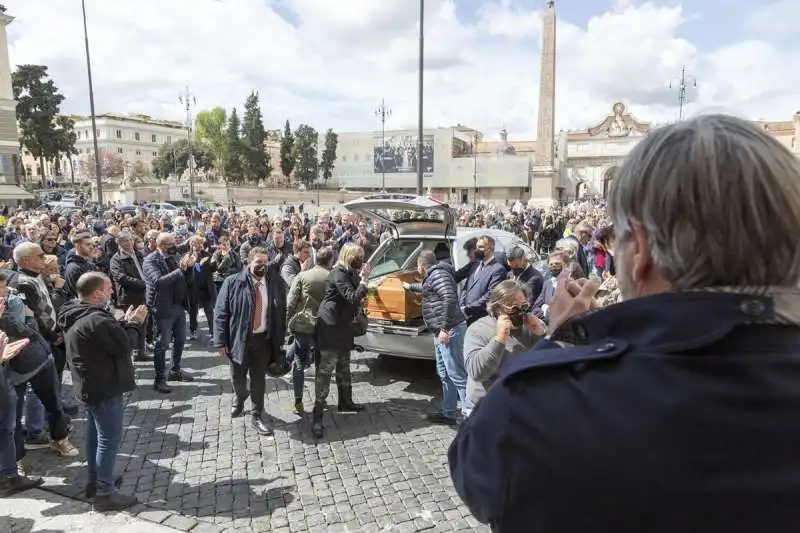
x: 525, y: 273
x: 167, y: 296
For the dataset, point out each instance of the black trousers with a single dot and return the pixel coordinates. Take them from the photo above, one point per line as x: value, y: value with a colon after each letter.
x: 45, y: 385
x: 258, y: 356
x: 195, y: 303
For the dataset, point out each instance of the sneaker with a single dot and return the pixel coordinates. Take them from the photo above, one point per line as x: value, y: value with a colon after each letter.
x: 16, y: 484
x: 37, y: 441
x: 90, y: 490
x: 150, y: 346
x: 21, y: 469
x: 179, y: 375
x: 298, y: 407
x: 114, y: 502
x: 64, y: 448
x: 192, y: 336
x: 440, y: 419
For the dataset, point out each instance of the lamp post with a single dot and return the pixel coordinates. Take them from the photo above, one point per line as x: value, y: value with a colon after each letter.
x: 97, y: 165
x: 475, y: 137
x: 421, y: 95
x: 383, y: 111
x: 681, y: 83
x: 188, y: 99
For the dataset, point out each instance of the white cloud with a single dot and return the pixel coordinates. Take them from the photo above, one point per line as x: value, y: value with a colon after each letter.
x: 334, y: 62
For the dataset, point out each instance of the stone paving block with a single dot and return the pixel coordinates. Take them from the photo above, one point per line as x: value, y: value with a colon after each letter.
x: 156, y: 516
x: 190, y: 463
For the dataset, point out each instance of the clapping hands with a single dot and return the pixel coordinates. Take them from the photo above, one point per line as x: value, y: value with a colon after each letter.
x: 136, y: 315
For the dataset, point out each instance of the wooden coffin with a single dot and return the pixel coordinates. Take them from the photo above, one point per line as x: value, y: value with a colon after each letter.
x: 391, y: 302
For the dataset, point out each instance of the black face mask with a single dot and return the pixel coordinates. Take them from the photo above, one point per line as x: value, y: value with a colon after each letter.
x: 172, y: 250
x: 316, y: 244
x: 555, y: 271
x: 254, y: 239
x: 480, y: 254
x: 259, y: 271
x: 357, y: 264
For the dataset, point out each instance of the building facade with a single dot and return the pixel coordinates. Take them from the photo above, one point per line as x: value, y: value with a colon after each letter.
x: 9, y: 139
x: 133, y: 140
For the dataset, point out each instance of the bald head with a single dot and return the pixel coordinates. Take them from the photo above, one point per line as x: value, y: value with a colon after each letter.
x: 165, y: 242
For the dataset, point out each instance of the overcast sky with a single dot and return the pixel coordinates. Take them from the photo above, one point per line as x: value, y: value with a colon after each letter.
x: 328, y: 63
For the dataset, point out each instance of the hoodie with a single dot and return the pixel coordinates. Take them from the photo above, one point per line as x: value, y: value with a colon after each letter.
x: 75, y: 267
x: 98, y: 352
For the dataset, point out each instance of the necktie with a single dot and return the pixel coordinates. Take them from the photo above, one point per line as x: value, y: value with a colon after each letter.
x: 257, y: 307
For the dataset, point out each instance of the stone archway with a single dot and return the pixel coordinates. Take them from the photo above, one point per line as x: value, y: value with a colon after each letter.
x: 581, y: 188
x: 608, y: 180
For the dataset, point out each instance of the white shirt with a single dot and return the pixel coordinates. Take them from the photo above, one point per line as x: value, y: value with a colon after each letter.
x: 264, y: 303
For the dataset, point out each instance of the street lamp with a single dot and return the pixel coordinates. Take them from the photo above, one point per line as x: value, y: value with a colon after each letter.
x: 681, y: 83
x: 420, y: 89
x: 383, y: 111
x: 97, y: 166
x: 475, y: 137
x: 188, y: 99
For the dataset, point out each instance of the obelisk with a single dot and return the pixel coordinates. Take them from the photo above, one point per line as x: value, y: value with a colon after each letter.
x: 544, y: 172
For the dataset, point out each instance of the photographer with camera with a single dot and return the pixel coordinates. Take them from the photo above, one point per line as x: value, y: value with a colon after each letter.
x: 510, y: 329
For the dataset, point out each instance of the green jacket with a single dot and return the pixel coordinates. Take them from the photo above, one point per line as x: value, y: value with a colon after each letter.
x: 304, y: 298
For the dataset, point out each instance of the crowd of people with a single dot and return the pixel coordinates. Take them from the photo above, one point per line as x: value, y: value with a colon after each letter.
x: 566, y: 392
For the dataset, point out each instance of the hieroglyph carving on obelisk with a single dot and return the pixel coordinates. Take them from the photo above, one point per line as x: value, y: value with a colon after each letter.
x: 545, y: 132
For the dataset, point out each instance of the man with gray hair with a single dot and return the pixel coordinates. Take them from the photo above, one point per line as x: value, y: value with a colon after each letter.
x: 676, y: 409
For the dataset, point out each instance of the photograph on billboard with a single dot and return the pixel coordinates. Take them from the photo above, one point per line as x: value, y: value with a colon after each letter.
x: 398, y: 155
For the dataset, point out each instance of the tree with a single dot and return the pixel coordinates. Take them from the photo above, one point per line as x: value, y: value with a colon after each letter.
x: 306, y: 140
x: 255, y: 157
x: 234, y: 164
x: 329, y: 154
x: 65, y: 141
x: 38, y: 105
x: 209, y: 131
x: 287, y: 151
x: 111, y: 164
x: 139, y: 170
x: 173, y: 158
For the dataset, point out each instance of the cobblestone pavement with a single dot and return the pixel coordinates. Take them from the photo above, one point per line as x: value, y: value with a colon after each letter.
x: 194, y: 468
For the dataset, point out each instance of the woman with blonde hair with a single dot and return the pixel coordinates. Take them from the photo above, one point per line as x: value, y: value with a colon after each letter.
x: 345, y: 290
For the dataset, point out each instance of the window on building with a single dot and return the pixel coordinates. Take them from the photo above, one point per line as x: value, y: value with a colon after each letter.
x: 155, y: 154
x: 119, y: 150
x: 153, y: 138
x: 136, y: 136
x: 169, y: 139
x: 28, y: 170
x: 119, y: 134
x: 138, y: 152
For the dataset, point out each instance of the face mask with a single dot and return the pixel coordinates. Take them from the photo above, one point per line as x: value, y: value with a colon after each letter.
x: 555, y: 271
x: 172, y: 250
x: 357, y: 264
x: 316, y: 244
x: 259, y: 271
x: 518, y: 271
x: 254, y: 239
x: 480, y: 254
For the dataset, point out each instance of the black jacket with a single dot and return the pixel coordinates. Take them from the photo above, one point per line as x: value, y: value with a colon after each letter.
x: 129, y: 286
x: 344, y: 294
x: 581, y: 258
x: 35, y: 353
x: 98, y: 352
x: 233, y: 313
x: 76, y: 266
x: 202, y: 284
x: 167, y: 284
x: 440, y: 308
x: 533, y: 281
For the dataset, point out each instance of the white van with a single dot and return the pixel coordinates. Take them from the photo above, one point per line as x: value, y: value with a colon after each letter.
x: 417, y: 223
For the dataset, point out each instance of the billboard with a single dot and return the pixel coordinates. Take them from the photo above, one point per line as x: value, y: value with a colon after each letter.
x: 398, y: 155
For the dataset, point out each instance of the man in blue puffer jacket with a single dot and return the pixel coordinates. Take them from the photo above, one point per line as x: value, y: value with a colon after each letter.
x: 444, y: 319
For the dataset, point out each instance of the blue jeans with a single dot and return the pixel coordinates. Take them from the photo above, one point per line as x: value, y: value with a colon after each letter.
x: 170, y: 326
x: 103, y: 437
x: 34, y: 412
x: 451, y: 371
x: 8, y: 424
x: 300, y: 355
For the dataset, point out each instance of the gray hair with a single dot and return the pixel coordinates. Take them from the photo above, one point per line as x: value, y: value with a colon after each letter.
x: 719, y: 202
x: 569, y: 247
x: 502, y: 293
x: 427, y: 259
x: 23, y: 250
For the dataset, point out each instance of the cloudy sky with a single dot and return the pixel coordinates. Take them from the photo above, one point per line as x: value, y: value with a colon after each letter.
x: 329, y: 63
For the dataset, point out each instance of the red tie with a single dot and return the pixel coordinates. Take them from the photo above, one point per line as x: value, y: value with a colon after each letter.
x: 257, y: 308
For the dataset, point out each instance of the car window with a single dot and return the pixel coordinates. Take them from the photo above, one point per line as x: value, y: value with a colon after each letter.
x: 393, y: 258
